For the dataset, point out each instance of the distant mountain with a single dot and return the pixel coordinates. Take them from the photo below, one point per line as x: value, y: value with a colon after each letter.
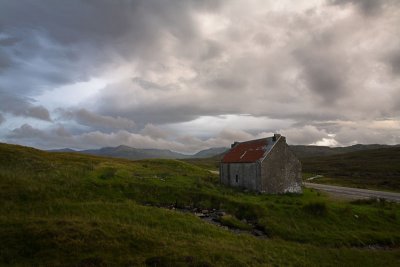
x: 127, y: 152
x: 69, y: 150
x: 210, y: 152
x: 317, y: 151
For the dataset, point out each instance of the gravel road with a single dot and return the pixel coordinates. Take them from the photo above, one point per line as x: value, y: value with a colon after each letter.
x: 354, y: 193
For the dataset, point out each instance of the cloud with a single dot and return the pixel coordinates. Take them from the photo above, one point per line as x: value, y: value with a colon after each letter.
x: 96, y: 121
x: 2, y: 119
x: 192, y: 74
x: 22, y: 107
x: 393, y: 59
x: 26, y: 131
x: 323, y: 73
x: 154, y: 132
x: 367, y: 7
x: 305, y: 135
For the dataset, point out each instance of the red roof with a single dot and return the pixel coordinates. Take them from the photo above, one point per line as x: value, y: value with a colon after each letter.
x: 250, y: 151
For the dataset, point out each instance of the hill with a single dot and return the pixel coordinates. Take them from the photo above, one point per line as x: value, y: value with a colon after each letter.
x: 211, y: 152
x: 69, y: 209
x: 126, y: 152
x: 302, y: 151
x: 376, y: 169
x: 66, y: 150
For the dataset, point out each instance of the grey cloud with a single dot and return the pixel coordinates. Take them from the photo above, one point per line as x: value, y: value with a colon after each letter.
x: 85, y: 117
x: 365, y: 135
x: 62, y: 132
x: 5, y: 61
x: 305, y: 135
x: 367, y: 7
x: 154, y: 132
x: 38, y: 112
x: 2, y: 119
x: 147, y: 84
x: 26, y: 131
x: 95, y: 35
x: 394, y: 61
x: 237, y: 59
x: 22, y: 107
x: 323, y: 73
x: 8, y: 41
x: 235, y: 135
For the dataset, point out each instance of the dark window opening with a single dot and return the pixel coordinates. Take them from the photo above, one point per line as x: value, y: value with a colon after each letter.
x: 237, y: 178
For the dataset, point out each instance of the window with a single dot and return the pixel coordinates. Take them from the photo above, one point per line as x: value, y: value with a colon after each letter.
x: 237, y: 178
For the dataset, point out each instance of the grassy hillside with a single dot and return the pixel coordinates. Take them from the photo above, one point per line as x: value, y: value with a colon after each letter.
x: 302, y: 151
x: 378, y: 168
x: 126, y: 152
x: 211, y: 163
x: 61, y: 209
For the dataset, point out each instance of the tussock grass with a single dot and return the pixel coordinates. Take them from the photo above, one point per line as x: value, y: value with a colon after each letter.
x: 316, y: 208
x: 60, y: 209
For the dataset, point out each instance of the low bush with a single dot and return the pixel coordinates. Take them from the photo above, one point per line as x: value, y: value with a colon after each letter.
x: 316, y: 208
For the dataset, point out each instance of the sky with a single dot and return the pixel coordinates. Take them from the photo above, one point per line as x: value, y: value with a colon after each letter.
x: 189, y: 75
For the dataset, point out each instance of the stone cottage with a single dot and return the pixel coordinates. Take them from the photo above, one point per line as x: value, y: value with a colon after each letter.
x: 265, y: 165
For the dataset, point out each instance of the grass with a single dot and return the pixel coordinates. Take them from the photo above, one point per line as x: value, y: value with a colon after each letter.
x: 211, y: 163
x: 60, y: 209
x: 232, y: 221
x: 371, y: 169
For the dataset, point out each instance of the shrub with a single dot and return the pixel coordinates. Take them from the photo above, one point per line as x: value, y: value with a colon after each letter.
x: 107, y: 173
x: 316, y: 208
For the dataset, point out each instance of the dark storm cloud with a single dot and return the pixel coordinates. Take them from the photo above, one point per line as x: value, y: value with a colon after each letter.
x: 2, y: 119
x: 20, y: 106
x: 68, y: 41
x: 164, y: 63
x: 367, y: 7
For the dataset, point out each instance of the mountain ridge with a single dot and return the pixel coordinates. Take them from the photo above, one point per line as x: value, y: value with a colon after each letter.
x: 127, y: 152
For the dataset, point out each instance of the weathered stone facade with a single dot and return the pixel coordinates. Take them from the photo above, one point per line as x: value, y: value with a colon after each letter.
x: 264, y: 165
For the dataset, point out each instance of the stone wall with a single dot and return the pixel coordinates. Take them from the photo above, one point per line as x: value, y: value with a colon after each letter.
x: 281, y: 170
x: 246, y: 175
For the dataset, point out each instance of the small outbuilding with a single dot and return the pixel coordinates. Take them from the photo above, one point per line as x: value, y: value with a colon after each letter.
x: 265, y: 165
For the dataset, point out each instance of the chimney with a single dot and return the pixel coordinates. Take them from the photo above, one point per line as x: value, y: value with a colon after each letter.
x: 234, y: 144
x: 275, y: 137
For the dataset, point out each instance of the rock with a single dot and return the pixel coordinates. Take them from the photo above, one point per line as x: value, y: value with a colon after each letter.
x: 257, y: 232
x: 221, y: 213
x: 200, y: 215
x: 204, y: 211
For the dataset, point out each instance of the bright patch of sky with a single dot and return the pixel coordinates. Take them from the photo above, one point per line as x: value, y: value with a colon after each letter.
x: 71, y: 95
x: 230, y: 121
